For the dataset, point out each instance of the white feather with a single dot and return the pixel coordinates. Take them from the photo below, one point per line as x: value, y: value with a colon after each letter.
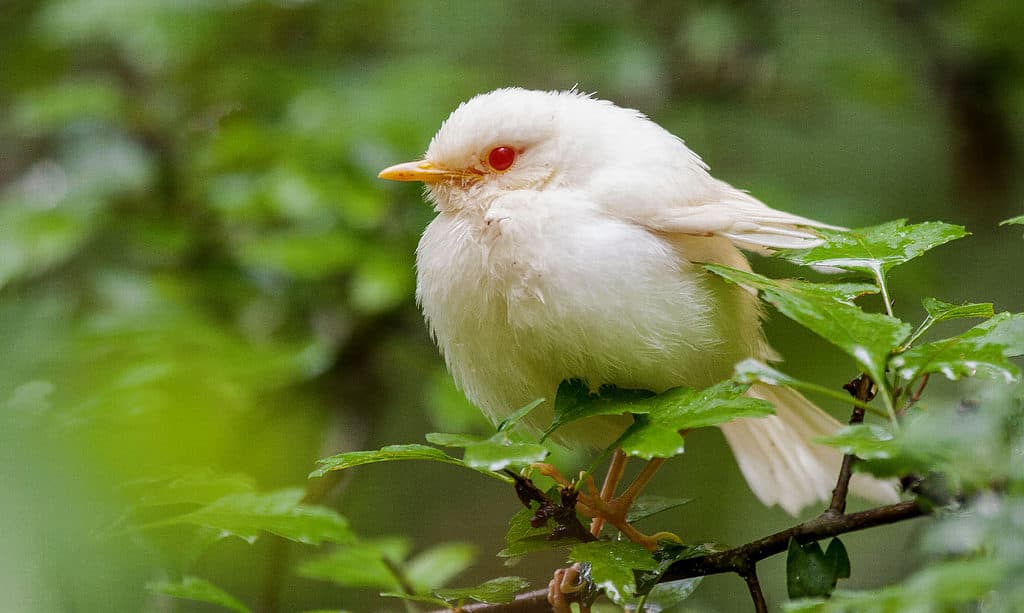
x: 582, y: 260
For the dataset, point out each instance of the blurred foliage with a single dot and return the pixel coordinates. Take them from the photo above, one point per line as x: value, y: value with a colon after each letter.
x: 199, y: 270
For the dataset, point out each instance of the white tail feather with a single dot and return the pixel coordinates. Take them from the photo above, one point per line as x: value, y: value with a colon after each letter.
x: 781, y: 462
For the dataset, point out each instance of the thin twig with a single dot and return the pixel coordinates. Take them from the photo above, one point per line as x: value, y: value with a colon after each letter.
x: 760, y: 606
x: 860, y: 388
x: 917, y: 395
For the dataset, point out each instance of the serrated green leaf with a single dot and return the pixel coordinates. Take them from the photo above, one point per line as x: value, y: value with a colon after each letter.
x: 876, y: 249
x: 646, y: 506
x: 438, y: 565
x: 979, y: 351
x: 574, y: 401
x: 360, y: 564
x: 495, y: 455
x: 246, y: 515
x: 391, y: 453
x: 943, y: 311
x: 194, y: 588
x: 656, y: 431
x: 866, y: 441
x: 867, y: 337
x: 750, y: 370
x: 612, y: 564
x: 495, y: 591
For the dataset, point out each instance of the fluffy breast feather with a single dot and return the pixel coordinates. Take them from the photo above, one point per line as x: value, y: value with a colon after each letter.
x: 561, y: 290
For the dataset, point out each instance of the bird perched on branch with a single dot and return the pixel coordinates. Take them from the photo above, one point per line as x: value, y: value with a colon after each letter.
x: 568, y: 243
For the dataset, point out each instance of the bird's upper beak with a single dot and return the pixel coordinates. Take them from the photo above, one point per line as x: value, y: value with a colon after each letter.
x: 424, y: 171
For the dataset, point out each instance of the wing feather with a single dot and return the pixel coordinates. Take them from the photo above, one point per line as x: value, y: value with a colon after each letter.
x: 747, y: 222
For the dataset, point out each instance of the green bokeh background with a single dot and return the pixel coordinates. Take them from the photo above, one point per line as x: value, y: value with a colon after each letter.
x: 199, y: 268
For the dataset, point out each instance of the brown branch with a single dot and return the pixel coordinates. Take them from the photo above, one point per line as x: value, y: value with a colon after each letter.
x: 824, y: 526
x: 861, y: 389
x: 741, y: 559
x: 760, y: 606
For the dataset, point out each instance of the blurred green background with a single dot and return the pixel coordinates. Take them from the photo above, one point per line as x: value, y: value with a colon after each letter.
x: 199, y: 268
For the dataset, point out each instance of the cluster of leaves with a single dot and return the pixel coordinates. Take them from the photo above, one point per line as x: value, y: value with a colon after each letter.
x: 949, y: 456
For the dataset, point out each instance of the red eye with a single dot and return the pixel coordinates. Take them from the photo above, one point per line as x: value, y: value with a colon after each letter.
x: 501, y: 158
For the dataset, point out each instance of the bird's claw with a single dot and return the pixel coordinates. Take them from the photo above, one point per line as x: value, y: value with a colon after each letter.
x: 565, y: 588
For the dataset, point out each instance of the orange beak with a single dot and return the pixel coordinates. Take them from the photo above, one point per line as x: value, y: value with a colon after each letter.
x: 423, y: 171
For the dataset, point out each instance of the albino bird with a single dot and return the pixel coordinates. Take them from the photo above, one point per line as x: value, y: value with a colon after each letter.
x: 567, y: 243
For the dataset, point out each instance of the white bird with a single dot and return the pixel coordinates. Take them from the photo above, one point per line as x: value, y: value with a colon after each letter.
x: 568, y: 243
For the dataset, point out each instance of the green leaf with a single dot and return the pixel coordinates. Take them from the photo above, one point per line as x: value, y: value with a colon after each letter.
x: 1006, y: 329
x: 838, y: 559
x: 447, y: 439
x: 877, y: 249
x: 391, y: 453
x: 646, y: 506
x: 438, y: 565
x: 193, y: 588
x: 866, y: 441
x: 522, y: 538
x: 360, y: 565
x: 811, y: 572
x: 827, y: 311
x: 494, y: 455
x: 751, y: 370
x: 665, y: 596
x: 1019, y: 220
x: 942, y: 311
x: 513, y: 419
x: 491, y: 454
x: 612, y: 564
x: 883, y: 453
x: 656, y: 434
x: 246, y: 515
x: 574, y: 401
x: 495, y: 591
x: 984, y: 349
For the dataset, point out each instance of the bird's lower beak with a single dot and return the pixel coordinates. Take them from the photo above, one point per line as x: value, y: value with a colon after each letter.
x: 421, y: 170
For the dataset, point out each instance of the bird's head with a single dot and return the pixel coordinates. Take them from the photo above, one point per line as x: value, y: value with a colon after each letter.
x: 517, y: 139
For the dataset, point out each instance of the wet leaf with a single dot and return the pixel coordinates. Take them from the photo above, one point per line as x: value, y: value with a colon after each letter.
x: 246, y: 515
x: 575, y: 401
x: 943, y: 311
x: 612, y: 564
x: 877, y: 249
x: 391, y: 453
x: 983, y: 350
x: 827, y: 311
x: 656, y: 433
x: 495, y: 591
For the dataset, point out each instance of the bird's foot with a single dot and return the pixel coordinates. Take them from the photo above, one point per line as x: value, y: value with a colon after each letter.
x: 568, y: 586
x: 601, y: 509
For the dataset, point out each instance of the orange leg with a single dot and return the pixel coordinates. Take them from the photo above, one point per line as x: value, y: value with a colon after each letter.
x: 611, y: 482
